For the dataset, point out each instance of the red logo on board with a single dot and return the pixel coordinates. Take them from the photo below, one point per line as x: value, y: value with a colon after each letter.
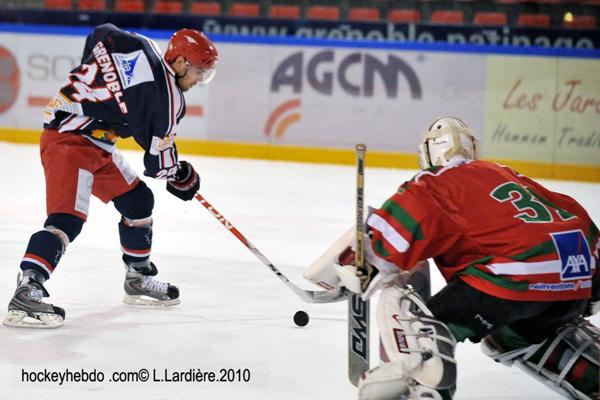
x: 9, y: 79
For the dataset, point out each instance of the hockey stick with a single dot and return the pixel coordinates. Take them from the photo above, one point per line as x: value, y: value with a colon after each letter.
x: 309, y: 296
x: 358, y: 310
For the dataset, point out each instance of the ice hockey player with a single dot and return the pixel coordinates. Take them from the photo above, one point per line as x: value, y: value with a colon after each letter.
x: 520, y: 263
x: 124, y: 87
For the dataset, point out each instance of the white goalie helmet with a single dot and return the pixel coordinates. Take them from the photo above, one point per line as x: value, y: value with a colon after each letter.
x: 448, y: 139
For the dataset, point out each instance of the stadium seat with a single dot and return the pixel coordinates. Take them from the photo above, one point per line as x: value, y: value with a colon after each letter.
x: 363, y: 14
x: 284, y: 11
x: 92, y: 5
x: 331, y: 13
x: 581, y: 22
x: 534, y: 20
x: 130, y: 5
x: 206, y: 8
x: 447, y: 17
x: 404, y: 15
x: 244, y: 10
x: 168, y: 7
x: 58, y: 4
x: 490, y: 18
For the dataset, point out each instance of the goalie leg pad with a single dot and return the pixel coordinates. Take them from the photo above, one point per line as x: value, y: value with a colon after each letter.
x: 568, y: 362
x: 417, y: 350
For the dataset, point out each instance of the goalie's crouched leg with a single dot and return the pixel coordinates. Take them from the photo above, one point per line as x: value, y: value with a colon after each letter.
x: 417, y: 351
x: 567, y: 362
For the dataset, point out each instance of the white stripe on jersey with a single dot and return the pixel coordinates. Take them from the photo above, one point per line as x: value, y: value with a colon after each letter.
x: 526, y: 268
x: 74, y: 122
x: 530, y: 268
x: 388, y: 232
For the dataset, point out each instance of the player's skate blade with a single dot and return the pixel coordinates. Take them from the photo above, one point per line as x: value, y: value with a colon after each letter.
x: 147, y: 301
x: 22, y: 319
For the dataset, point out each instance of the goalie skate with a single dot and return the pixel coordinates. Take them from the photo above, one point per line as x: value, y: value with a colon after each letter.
x: 27, y: 310
x: 141, y: 289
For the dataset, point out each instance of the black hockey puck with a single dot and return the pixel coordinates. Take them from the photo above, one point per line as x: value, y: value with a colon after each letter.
x: 301, y: 318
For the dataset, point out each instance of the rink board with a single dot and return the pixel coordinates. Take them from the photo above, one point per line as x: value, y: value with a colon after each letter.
x: 312, y: 100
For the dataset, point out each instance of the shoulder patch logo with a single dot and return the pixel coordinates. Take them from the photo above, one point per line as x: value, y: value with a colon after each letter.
x: 133, y: 68
x: 575, y: 255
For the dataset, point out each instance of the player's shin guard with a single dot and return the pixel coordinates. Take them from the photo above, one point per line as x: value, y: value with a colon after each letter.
x: 417, y: 351
x: 43, y: 253
x: 141, y: 288
x: 136, y: 240
x: 568, y: 362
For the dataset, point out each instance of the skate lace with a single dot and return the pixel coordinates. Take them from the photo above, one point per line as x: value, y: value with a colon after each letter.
x: 36, y: 295
x: 151, y: 284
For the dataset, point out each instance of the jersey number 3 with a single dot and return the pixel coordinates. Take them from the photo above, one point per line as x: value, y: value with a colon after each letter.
x: 533, y: 207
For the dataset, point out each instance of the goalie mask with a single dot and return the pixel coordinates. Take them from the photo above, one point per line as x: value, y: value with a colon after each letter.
x: 448, y: 139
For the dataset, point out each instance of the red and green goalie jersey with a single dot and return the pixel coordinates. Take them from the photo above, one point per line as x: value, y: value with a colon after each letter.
x: 500, y: 232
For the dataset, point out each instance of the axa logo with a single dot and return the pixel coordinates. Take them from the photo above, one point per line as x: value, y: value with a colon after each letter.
x: 323, y: 70
x: 577, y: 263
x: 575, y: 255
x: 282, y: 117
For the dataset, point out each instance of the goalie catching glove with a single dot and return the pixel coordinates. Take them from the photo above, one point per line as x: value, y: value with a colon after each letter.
x: 334, y: 268
x: 186, y: 182
x: 356, y: 279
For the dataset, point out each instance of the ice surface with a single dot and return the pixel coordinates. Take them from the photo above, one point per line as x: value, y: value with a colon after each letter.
x: 234, y: 313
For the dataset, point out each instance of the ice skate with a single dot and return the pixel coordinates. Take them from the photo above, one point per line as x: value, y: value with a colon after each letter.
x: 143, y: 290
x: 27, y: 310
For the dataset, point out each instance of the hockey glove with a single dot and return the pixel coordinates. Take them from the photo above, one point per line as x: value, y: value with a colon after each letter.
x: 186, y: 183
x: 355, y: 279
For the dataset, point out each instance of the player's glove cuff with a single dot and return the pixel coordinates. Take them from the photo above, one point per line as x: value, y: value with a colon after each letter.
x: 186, y: 183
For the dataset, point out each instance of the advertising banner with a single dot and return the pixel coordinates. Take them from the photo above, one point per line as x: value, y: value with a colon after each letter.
x: 336, y: 97
x: 306, y: 96
x: 543, y: 109
x: 323, y: 95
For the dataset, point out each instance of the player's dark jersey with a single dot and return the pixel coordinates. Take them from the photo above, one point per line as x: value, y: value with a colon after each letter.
x: 122, y: 88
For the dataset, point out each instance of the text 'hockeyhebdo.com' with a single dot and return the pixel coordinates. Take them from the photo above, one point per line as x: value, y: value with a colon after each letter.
x: 143, y: 375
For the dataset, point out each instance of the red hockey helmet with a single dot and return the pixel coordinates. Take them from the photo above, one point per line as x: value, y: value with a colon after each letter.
x: 196, y: 48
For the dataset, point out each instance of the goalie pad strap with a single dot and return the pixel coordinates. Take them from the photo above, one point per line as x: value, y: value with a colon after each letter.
x: 554, y: 361
x: 420, y: 349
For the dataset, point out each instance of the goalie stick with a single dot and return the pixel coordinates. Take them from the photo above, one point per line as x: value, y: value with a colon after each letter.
x: 309, y: 296
x: 358, y: 310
